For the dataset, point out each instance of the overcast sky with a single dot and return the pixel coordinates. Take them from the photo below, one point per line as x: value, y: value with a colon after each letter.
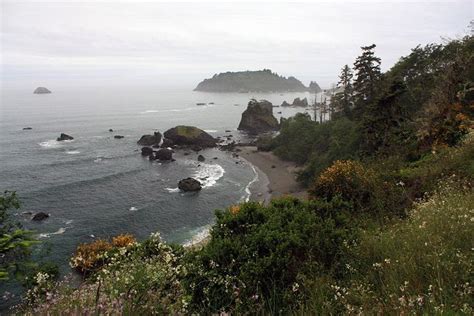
x: 105, y: 42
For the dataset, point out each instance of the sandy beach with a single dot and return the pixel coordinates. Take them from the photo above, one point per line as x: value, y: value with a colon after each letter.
x: 281, y: 174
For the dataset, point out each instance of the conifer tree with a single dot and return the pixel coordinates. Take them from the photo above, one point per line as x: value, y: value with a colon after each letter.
x: 367, y: 72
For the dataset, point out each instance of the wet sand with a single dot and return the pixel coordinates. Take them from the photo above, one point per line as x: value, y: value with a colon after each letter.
x: 281, y: 174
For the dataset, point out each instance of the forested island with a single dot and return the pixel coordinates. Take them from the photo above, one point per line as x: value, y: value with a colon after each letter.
x: 251, y: 81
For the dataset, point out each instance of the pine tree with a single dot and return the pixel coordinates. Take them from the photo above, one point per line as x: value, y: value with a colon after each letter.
x: 367, y: 71
x: 343, y: 102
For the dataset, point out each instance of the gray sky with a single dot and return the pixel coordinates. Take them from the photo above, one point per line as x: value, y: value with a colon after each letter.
x: 175, y: 43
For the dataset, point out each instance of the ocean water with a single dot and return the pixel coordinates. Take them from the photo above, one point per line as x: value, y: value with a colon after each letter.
x: 96, y: 186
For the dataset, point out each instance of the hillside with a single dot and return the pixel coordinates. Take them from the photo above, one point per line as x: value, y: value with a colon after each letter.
x: 245, y: 81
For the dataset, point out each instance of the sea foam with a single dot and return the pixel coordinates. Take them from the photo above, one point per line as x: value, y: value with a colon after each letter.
x: 58, y: 232
x: 208, y: 174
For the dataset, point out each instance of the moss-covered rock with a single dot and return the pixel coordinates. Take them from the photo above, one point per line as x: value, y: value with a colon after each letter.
x: 190, y: 136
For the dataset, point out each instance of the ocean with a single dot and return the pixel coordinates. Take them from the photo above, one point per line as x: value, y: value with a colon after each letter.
x: 96, y: 186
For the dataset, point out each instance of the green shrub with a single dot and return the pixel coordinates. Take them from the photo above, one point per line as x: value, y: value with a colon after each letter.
x: 361, y: 187
x: 258, y: 255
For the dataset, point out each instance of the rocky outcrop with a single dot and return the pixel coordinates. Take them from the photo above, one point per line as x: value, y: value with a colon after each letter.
x: 190, y: 136
x: 189, y: 184
x: 40, y: 216
x: 150, y: 140
x: 64, y: 137
x: 147, y: 151
x: 258, y: 118
x: 300, y: 102
x: 167, y: 143
x: 285, y: 104
x: 164, y: 154
x: 41, y: 90
x: 314, y: 87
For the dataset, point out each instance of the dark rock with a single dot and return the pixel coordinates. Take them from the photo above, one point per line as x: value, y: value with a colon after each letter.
x: 285, y: 104
x: 196, y: 148
x: 215, y: 158
x: 273, y: 166
x: 258, y: 118
x: 279, y: 112
x: 300, y: 102
x: 147, y: 151
x: 64, y: 137
x: 152, y: 157
x: 211, y: 103
x: 111, y: 130
x: 164, y: 154
x: 186, y: 153
x: 189, y: 184
x: 40, y: 216
x: 27, y: 128
x: 149, y: 140
x: 190, y: 136
x: 118, y: 136
x: 167, y: 143
x: 41, y: 90
x: 200, y: 103
x: 201, y: 158
x: 228, y: 131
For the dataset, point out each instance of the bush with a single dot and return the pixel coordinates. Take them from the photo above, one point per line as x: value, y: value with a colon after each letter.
x: 141, y: 279
x: 362, y: 187
x: 258, y: 255
x: 90, y: 257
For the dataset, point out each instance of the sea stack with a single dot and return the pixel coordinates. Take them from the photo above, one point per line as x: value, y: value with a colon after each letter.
x: 41, y: 90
x: 258, y: 118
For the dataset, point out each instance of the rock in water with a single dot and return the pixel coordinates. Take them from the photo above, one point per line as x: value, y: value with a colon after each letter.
x: 189, y: 184
x: 118, y: 136
x: 40, y: 216
x: 201, y: 158
x: 147, y: 151
x: 41, y: 90
x: 64, y: 137
x: 300, y: 102
x: 285, y: 104
x: 150, y: 140
x: 27, y: 128
x: 167, y: 143
x: 164, y: 154
x: 190, y: 136
x: 258, y: 118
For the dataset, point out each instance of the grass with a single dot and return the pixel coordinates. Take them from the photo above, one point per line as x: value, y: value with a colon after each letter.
x: 420, y: 265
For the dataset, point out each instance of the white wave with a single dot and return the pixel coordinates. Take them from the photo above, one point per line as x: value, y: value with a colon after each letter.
x: 133, y: 208
x: 53, y: 143
x: 208, y: 174
x: 58, y: 232
x: 150, y: 111
x: 73, y: 152
x: 172, y: 190
x: 69, y: 222
x: 210, y: 131
x: 98, y: 160
x: 201, y: 234
x: 247, y: 188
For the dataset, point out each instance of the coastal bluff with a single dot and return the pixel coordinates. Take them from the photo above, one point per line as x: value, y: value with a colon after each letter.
x: 251, y: 81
